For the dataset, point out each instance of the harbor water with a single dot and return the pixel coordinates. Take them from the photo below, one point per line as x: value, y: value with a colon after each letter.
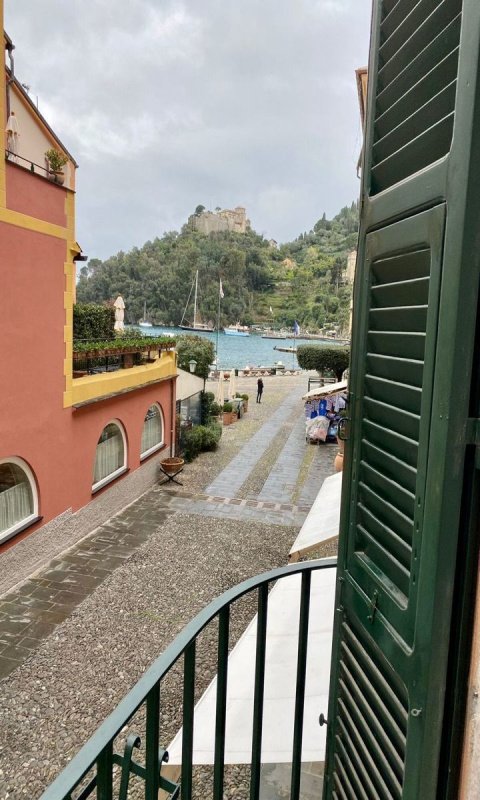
x: 237, y: 352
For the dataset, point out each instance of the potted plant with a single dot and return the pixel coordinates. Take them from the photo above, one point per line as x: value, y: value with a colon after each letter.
x: 56, y: 160
x: 245, y: 402
x: 227, y: 413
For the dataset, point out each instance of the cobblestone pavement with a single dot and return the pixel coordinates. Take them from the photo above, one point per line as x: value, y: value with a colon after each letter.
x: 31, y: 611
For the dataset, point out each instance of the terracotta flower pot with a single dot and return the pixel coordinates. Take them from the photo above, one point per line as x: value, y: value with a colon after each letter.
x: 172, y: 465
x: 227, y: 417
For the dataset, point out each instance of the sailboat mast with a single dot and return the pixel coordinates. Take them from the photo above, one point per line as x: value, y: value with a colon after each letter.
x: 195, y: 303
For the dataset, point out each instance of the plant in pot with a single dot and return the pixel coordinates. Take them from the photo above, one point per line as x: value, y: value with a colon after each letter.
x: 245, y: 402
x: 56, y: 160
x: 227, y: 413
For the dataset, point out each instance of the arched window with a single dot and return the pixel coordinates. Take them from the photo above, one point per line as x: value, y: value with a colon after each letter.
x: 18, y: 497
x: 110, y: 456
x: 152, y: 434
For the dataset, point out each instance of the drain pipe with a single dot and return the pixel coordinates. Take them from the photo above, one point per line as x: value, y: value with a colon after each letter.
x: 173, y: 412
x: 10, y: 49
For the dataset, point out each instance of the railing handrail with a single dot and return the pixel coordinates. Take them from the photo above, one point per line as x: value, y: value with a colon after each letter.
x: 122, y: 714
x: 27, y: 161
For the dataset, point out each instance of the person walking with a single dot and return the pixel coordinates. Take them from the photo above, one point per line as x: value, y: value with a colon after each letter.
x: 259, y: 390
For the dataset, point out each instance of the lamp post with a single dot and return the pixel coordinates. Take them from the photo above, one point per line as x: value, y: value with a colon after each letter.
x: 192, y: 364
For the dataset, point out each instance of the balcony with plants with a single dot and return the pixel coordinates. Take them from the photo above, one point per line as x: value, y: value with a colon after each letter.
x: 106, y: 362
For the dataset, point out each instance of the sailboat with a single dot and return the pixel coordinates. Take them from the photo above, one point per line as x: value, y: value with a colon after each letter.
x: 144, y: 322
x: 199, y: 327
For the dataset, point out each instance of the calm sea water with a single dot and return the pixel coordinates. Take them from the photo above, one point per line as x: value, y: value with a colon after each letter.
x: 240, y: 351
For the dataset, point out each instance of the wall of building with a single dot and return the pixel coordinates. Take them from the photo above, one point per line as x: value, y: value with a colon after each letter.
x: 34, y: 139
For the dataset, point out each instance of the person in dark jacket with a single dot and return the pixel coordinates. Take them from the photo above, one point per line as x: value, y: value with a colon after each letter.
x: 259, y: 390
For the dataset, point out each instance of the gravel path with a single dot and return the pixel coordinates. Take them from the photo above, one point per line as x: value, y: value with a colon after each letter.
x: 56, y: 699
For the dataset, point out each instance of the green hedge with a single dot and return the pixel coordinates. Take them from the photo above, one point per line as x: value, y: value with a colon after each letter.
x: 324, y: 359
x: 93, y: 322
x: 200, y: 438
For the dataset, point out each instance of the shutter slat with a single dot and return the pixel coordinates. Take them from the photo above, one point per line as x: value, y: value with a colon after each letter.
x: 386, y: 512
x: 436, y: 109
x: 393, y: 467
x: 395, y: 419
x: 400, y: 100
x: 425, y: 149
x: 406, y: 370
x: 381, y: 561
x: 369, y: 690
x: 413, y: 291
x: 399, y: 28
x: 388, y: 489
x: 410, y: 319
x: 403, y: 344
x: 438, y: 20
x: 394, y: 393
x: 399, y: 446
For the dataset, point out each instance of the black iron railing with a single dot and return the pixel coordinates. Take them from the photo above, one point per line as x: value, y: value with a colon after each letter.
x: 93, y: 768
x: 31, y: 165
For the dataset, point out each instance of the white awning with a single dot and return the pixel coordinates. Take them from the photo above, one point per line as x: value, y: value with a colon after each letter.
x: 325, y: 391
x: 280, y: 682
x: 323, y: 520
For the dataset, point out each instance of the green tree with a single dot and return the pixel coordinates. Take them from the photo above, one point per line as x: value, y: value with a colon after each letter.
x: 324, y: 359
x: 195, y: 348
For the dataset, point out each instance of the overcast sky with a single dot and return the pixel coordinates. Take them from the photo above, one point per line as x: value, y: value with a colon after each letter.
x: 167, y: 104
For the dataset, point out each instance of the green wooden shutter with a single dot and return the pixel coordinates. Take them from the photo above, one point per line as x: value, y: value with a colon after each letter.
x: 415, y: 309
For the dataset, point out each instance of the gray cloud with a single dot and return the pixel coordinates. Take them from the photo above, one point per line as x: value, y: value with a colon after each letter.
x: 167, y: 104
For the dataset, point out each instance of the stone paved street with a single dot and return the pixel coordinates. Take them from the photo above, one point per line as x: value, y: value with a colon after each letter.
x: 97, y: 614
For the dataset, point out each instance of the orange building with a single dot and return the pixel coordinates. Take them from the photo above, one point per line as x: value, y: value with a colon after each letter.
x: 65, y: 442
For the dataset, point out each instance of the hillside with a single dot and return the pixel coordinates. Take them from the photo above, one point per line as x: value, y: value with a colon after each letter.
x: 302, y: 280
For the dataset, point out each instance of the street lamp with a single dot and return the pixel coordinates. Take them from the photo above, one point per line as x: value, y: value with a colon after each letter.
x: 192, y: 364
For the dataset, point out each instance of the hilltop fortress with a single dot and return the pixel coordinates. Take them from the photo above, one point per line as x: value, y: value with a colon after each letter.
x: 226, y: 220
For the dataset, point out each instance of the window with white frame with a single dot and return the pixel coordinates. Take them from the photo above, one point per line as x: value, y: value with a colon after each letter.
x: 152, y: 433
x: 18, y: 497
x: 110, y: 455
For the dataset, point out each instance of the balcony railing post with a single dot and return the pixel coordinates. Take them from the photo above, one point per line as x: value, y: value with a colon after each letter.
x: 300, y: 687
x: 188, y: 717
x: 152, y: 777
x: 221, y: 711
x: 105, y: 773
x: 259, y: 692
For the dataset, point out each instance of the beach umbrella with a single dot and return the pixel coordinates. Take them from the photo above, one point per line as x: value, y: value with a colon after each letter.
x: 233, y: 384
x: 119, y: 307
x: 13, y: 133
x: 220, y: 390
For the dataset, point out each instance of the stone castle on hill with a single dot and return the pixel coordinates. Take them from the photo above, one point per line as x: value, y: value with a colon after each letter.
x: 215, y: 221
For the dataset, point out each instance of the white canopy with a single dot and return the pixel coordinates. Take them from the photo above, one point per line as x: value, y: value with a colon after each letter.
x: 323, y: 520
x: 220, y: 390
x: 325, y: 391
x: 280, y: 682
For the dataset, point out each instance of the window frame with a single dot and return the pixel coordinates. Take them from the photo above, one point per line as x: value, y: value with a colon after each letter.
x: 20, y: 526
x: 121, y: 470
x: 151, y: 450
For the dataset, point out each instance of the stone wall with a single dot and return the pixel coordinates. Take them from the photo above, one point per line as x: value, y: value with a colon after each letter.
x: 226, y: 220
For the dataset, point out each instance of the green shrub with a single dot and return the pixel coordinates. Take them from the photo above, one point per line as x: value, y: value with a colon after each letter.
x: 324, y: 359
x: 200, y: 438
x: 215, y: 409
x: 207, y: 402
x: 93, y: 322
x: 227, y: 407
x: 244, y: 396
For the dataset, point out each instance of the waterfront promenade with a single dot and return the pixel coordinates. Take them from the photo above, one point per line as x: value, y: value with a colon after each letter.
x: 76, y: 635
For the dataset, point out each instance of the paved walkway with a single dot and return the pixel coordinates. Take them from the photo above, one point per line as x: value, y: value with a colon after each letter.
x: 31, y: 611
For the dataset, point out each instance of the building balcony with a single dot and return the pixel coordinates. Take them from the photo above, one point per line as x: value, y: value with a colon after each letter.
x: 128, y: 746
x: 99, y: 374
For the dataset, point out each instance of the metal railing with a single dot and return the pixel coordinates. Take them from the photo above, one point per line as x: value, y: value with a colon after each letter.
x: 32, y: 166
x: 98, y: 757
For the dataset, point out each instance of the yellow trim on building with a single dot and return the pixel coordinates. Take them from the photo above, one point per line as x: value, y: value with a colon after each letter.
x: 31, y: 223
x: 69, y: 269
x: 96, y: 387
x: 3, y: 121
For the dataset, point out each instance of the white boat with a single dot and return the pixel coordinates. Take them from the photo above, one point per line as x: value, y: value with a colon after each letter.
x: 197, y: 326
x: 237, y: 330
x: 144, y: 322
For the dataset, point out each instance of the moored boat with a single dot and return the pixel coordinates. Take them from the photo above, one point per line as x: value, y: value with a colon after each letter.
x: 237, y: 330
